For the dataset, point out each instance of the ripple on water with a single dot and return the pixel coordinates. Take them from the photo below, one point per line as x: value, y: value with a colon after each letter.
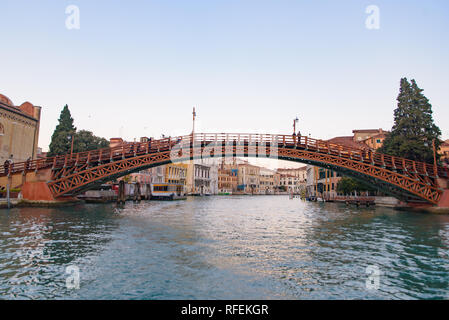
x: 240, y: 247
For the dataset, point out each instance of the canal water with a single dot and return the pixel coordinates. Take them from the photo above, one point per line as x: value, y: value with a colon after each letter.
x: 223, y: 247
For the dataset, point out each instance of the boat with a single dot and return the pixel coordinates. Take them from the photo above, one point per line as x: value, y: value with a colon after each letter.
x: 167, y: 191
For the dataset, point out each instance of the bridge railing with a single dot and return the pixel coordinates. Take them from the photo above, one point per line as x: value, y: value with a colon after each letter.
x: 131, y: 149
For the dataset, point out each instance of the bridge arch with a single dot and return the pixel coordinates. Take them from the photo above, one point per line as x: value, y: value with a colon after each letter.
x: 359, y: 164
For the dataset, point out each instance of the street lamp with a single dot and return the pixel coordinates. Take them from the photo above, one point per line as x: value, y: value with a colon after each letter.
x: 294, y: 125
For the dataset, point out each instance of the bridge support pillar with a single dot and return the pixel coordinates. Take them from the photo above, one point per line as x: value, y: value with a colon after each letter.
x: 444, y: 201
x: 443, y: 183
x: 39, y: 192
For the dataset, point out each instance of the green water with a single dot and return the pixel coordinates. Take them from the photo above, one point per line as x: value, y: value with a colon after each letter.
x: 224, y: 247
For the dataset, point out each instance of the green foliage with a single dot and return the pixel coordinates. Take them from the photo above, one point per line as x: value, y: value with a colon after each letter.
x: 414, y: 130
x: 348, y: 185
x: 60, y: 143
x: 65, y: 131
x: 86, y: 141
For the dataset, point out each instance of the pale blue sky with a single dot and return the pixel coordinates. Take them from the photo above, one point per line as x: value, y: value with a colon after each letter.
x: 136, y: 68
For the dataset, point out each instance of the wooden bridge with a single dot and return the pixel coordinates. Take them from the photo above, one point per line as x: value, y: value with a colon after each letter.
x: 67, y: 175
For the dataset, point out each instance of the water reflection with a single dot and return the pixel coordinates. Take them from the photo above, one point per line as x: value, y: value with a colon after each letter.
x: 262, y: 247
x: 37, y: 243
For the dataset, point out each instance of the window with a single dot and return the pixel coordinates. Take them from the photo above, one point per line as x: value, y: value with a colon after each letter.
x: 378, y: 141
x: 2, y: 130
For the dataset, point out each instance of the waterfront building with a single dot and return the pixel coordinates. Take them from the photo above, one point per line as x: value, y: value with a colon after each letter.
x: 198, y: 178
x: 267, y: 181
x: 158, y: 174
x: 311, y: 173
x: 19, y: 130
x: 213, y: 177
x: 293, y: 179
x: 227, y: 180
x: 327, y: 181
x: 176, y: 173
x: 444, y: 152
x: 300, y: 173
x: 248, y: 178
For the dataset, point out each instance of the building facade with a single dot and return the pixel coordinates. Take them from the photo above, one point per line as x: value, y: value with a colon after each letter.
x: 267, y: 181
x: 248, y: 178
x: 227, y: 180
x: 19, y: 130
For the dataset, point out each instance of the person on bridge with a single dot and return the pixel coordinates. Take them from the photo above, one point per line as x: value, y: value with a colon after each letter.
x: 28, y: 163
x: 6, y: 166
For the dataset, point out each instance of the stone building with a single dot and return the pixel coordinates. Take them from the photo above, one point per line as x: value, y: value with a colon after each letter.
x: 444, y: 152
x: 227, y: 180
x: 19, y: 130
x: 176, y: 173
x: 198, y: 178
x: 267, y: 181
x: 248, y: 178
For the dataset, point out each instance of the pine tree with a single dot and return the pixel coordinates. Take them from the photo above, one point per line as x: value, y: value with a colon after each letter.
x: 60, y: 141
x: 414, y: 130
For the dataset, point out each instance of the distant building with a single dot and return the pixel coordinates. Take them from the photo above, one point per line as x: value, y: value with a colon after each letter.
x: 198, y: 178
x: 300, y: 173
x: 158, y: 174
x: 311, y: 181
x: 19, y: 130
x: 267, y: 181
x: 444, y: 152
x: 248, y: 178
x: 227, y: 180
x: 293, y: 179
x: 323, y: 182
x: 372, y: 137
x: 176, y: 173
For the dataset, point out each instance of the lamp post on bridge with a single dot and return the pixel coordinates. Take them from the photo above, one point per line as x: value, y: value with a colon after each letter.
x: 193, y: 121
x: 294, y: 128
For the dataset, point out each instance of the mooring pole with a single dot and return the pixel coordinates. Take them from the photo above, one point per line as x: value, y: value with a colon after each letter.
x: 8, y: 199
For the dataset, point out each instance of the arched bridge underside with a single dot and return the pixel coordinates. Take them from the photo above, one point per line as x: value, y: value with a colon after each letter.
x: 405, y: 179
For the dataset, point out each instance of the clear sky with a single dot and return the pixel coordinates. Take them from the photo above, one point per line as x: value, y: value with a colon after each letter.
x: 136, y: 68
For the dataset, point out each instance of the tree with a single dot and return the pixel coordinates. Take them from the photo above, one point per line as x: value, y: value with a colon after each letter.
x: 65, y: 131
x: 86, y: 141
x: 348, y: 185
x: 414, y: 130
x: 60, y: 143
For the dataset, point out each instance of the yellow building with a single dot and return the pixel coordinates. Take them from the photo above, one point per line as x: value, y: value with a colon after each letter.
x: 19, y: 130
x: 176, y: 173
